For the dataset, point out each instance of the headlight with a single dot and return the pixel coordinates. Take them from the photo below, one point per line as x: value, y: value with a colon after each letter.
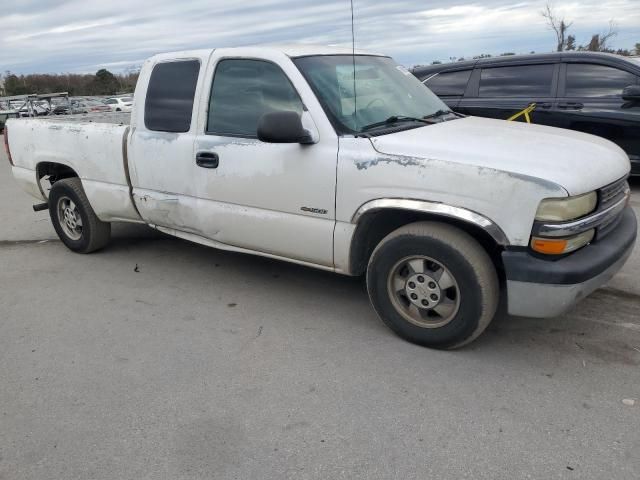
x: 560, y: 246
x: 561, y: 209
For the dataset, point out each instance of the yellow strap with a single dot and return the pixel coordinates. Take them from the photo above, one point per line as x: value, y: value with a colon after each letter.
x: 524, y: 112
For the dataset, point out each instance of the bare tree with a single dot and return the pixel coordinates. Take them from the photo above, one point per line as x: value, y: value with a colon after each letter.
x: 600, y: 41
x: 558, y: 25
x: 608, y: 35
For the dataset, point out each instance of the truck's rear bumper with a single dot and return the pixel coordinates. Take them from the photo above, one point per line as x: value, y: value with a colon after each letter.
x: 542, y: 288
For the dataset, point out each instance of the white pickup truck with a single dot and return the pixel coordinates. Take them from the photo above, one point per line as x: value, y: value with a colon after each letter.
x: 348, y: 164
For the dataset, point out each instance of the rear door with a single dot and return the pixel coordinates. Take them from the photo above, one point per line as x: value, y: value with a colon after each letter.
x: 160, y: 149
x: 590, y: 100
x: 449, y: 85
x: 502, y: 91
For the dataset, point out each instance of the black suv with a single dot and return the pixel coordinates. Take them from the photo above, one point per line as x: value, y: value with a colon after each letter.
x: 597, y: 93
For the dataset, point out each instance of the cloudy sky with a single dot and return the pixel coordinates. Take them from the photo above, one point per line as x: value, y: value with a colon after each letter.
x: 85, y: 35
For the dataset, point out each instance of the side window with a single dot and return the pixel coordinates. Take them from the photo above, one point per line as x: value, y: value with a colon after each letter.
x: 449, y: 83
x: 170, y: 93
x: 244, y: 90
x: 585, y: 80
x: 519, y: 81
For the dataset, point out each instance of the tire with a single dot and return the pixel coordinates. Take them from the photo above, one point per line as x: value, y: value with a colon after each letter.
x: 465, y: 292
x: 73, y: 218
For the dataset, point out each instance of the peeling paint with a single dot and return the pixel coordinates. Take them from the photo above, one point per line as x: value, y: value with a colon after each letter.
x: 402, y: 161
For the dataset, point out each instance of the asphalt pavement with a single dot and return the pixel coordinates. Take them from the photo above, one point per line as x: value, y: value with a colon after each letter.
x: 160, y: 359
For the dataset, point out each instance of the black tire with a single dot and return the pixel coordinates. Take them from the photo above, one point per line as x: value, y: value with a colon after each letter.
x: 477, y: 286
x: 94, y: 234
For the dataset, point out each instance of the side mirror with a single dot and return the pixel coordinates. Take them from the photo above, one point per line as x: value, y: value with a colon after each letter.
x: 282, y: 127
x: 631, y: 93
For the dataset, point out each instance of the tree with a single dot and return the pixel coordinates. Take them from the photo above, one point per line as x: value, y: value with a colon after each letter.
x: 571, y: 43
x: 558, y: 25
x: 600, y: 41
x: 14, y: 85
x: 637, y: 48
x: 105, y: 83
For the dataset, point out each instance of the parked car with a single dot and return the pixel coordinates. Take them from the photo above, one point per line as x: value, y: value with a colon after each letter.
x: 95, y: 106
x: 38, y: 108
x: 88, y: 106
x: 596, y: 93
x: 120, y: 104
x: 267, y: 151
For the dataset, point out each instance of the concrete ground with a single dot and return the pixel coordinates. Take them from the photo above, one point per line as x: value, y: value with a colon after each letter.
x: 201, y: 364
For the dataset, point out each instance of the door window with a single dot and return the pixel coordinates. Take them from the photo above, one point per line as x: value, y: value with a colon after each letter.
x: 244, y: 90
x: 518, y: 81
x: 585, y: 80
x: 170, y: 94
x: 449, y: 83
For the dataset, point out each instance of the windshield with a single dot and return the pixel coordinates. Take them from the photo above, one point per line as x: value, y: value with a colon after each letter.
x: 127, y: 99
x: 381, y: 90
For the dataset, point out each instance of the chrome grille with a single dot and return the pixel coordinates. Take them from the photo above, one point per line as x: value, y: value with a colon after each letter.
x: 612, y: 192
x: 607, y: 196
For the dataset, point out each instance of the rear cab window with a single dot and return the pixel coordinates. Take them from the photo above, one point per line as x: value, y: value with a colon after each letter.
x: 170, y: 96
x: 449, y: 84
x: 517, y: 81
x: 591, y: 80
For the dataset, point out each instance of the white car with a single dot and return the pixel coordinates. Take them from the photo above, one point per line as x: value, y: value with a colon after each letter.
x: 289, y: 153
x: 120, y: 104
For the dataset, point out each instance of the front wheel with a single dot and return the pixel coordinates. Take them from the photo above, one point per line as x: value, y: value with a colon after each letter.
x: 433, y: 285
x: 73, y: 218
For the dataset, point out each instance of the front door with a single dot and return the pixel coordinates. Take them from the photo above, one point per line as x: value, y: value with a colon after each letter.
x: 590, y: 101
x: 278, y: 199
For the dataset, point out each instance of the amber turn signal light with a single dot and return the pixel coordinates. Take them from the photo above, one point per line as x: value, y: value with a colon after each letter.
x: 548, y: 246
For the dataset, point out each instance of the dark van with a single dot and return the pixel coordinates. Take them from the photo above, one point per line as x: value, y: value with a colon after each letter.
x: 596, y: 93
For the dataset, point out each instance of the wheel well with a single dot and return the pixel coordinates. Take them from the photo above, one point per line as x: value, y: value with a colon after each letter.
x: 54, y: 171
x: 374, y: 226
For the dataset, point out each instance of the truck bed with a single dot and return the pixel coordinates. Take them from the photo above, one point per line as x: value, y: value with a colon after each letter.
x: 92, y: 145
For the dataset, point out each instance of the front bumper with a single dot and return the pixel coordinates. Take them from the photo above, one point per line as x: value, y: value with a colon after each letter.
x: 538, y: 287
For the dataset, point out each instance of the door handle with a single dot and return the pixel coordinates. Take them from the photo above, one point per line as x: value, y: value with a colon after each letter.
x: 544, y: 105
x: 207, y: 159
x: 570, y: 105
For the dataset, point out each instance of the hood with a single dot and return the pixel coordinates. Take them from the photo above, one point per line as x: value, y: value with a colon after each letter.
x: 576, y: 161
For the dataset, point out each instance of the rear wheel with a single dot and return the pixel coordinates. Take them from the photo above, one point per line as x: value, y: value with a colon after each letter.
x: 433, y: 285
x: 73, y: 218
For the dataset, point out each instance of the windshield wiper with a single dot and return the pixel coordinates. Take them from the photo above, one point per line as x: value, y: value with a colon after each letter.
x: 395, y: 119
x: 439, y: 113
